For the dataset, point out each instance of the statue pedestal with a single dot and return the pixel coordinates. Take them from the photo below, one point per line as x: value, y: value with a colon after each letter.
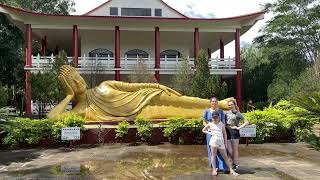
x: 105, y: 132
x: 116, y: 122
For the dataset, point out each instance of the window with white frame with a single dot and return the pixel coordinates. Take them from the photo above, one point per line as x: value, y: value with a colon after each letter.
x: 158, y: 12
x: 170, y: 54
x: 113, y: 11
x: 137, y: 53
x: 100, y: 53
x: 135, y: 11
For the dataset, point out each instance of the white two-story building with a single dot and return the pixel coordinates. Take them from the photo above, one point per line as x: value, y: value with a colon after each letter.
x: 114, y: 35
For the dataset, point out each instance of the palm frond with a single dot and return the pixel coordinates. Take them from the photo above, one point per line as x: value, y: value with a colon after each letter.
x: 309, y: 102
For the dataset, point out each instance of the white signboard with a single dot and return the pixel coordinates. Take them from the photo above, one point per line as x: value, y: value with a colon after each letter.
x: 248, y: 131
x: 70, y: 133
x: 70, y: 168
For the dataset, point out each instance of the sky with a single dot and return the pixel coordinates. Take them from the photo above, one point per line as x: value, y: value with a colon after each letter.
x: 205, y: 9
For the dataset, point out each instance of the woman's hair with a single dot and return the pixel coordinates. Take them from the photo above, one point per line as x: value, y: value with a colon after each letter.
x: 214, y: 98
x: 235, y: 103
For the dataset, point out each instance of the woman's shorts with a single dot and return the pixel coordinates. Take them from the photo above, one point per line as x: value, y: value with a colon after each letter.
x: 217, y: 142
x: 233, y: 133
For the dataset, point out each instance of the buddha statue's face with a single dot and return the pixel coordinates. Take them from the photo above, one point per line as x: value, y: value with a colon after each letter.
x: 71, y: 77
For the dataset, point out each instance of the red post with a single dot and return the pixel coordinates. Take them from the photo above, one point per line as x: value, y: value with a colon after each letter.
x: 117, y: 53
x: 44, y: 46
x: 28, y: 65
x: 196, y: 43
x: 75, y: 45
x: 221, y: 57
x: 238, y: 66
x: 221, y: 49
x: 157, y: 53
x: 209, y: 53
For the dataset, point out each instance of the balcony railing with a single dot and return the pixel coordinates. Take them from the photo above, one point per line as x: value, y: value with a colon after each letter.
x: 128, y: 64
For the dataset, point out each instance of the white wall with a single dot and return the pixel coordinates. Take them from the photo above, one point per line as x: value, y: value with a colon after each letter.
x: 153, y: 4
x: 129, y: 40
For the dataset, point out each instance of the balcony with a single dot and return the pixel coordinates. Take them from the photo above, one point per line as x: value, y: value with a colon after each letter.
x: 105, y: 65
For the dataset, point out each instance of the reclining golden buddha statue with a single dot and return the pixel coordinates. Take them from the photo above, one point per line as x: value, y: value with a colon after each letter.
x: 115, y: 100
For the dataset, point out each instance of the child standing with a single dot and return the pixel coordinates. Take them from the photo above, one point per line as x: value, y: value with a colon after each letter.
x: 218, y: 141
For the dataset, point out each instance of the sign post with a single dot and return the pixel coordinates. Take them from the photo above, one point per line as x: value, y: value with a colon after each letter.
x: 70, y: 134
x: 248, y: 131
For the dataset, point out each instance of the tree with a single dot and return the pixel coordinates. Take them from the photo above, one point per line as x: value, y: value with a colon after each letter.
x: 296, y: 20
x: 12, y: 49
x: 288, y: 62
x: 45, y: 86
x: 205, y: 85
x: 257, y: 73
x: 141, y: 73
x: 308, y: 82
x: 4, y: 96
x: 44, y: 6
x: 182, y: 80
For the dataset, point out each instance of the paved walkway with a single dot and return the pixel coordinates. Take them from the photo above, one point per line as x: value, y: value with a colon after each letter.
x: 166, y: 161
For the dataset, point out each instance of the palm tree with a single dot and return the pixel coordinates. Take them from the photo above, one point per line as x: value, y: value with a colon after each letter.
x: 309, y: 102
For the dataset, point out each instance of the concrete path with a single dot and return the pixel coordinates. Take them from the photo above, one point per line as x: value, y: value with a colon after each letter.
x: 166, y: 161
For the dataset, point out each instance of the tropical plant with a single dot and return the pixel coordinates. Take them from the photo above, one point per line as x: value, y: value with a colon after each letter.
x: 281, y: 119
x: 174, y: 127
x: 23, y: 131
x: 122, y: 129
x: 309, y: 102
x: 144, y: 128
x: 64, y: 121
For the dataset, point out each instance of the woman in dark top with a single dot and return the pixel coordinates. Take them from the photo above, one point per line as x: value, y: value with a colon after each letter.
x: 233, y: 119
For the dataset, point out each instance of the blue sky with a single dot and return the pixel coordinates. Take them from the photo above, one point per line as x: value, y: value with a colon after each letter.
x: 204, y: 8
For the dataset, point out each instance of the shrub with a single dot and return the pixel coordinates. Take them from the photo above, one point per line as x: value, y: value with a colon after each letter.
x: 68, y: 120
x: 144, y: 128
x: 23, y: 131
x: 175, y: 126
x: 122, y: 129
x: 280, y: 119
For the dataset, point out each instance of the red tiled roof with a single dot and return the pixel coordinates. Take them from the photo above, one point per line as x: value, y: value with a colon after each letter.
x: 241, y: 17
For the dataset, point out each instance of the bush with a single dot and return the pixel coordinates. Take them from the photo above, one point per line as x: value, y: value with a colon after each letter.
x: 176, y: 126
x: 22, y: 131
x: 279, y: 120
x: 69, y: 120
x: 122, y: 129
x: 144, y: 128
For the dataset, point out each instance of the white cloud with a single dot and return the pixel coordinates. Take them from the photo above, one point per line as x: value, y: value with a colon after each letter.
x: 204, y: 8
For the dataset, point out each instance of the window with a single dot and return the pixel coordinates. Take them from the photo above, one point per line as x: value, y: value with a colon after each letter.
x: 170, y: 54
x: 135, y: 12
x: 137, y: 53
x: 100, y: 53
x: 158, y: 12
x: 113, y: 11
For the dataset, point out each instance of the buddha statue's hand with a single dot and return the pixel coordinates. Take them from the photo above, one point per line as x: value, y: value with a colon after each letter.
x: 65, y: 85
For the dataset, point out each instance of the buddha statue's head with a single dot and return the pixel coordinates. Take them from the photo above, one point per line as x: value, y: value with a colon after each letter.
x: 69, y: 77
